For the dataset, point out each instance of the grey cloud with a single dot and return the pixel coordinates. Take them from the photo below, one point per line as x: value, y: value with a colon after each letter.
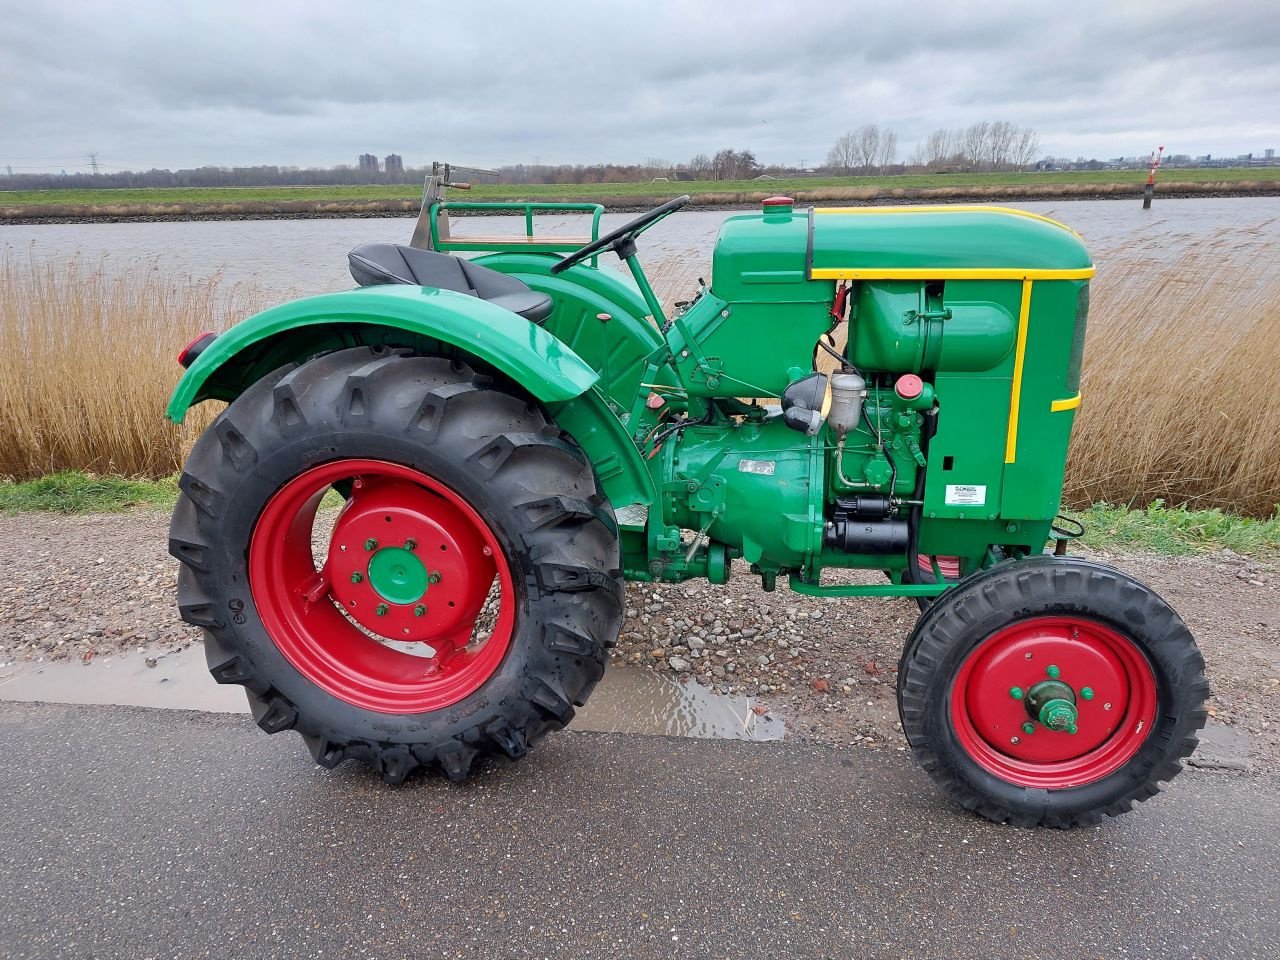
x: 163, y: 84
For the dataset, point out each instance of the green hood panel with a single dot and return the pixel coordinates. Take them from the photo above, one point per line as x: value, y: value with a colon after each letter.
x: 531, y: 356
x: 942, y: 242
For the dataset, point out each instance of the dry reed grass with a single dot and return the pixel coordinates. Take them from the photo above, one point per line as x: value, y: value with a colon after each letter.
x: 1182, y: 378
x: 87, y: 364
x: 1181, y: 384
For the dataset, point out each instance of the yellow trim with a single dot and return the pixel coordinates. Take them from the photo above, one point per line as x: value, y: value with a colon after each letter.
x: 944, y: 208
x: 1068, y: 404
x: 1015, y: 398
x: 946, y: 273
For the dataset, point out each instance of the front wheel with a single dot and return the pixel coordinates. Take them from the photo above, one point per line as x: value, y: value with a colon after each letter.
x: 459, y: 603
x: 1051, y: 692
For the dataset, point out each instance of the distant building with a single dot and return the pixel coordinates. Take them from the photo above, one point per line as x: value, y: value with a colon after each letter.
x: 1269, y: 153
x: 394, y: 163
x: 368, y: 162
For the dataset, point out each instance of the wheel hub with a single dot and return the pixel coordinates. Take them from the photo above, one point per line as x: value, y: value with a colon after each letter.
x: 405, y: 564
x: 1053, y: 703
x: 398, y: 575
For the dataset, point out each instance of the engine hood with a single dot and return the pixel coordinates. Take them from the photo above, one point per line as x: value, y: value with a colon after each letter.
x: 942, y: 242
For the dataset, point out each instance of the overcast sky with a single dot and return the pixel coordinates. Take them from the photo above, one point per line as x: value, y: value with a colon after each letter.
x: 314, y: 83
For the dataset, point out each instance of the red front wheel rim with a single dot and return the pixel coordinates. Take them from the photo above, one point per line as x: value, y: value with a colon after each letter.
x: 949, y: 567
x: 395, y: 616
x: 1053, y: 702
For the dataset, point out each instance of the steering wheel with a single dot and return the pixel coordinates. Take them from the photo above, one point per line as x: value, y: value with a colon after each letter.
x: 625, y: 234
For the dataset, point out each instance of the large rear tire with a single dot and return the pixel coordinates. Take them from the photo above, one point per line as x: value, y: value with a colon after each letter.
x: 470, y: 586
x: 1051, y: 692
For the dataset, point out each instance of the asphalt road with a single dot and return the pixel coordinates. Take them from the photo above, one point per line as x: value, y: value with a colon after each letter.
x: 127, y: 832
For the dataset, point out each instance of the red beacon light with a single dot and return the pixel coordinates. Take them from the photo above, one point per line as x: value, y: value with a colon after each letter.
x: 777, y: 202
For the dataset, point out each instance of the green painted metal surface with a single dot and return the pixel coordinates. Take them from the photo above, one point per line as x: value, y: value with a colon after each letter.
x: 623, y: 473
x: 543, y: 365
x: 617, y: 349
x: 909, y: 326
x: 749, y: 486
x: 549, y: 243
x: 851, y: 590
x: 1033, y: 479
x: 761, y: 259
x: 397, y: 575
x: 942, y: 238
x: 736, y: 349
x: 700, y: 478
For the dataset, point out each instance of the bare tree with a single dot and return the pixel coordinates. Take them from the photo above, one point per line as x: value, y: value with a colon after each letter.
x: 1025, y: 147
x: 842, y: 156
x: 938, y: 149
x: 1000, y: 138
x: 866, y: 147
x: 888, y: 150
x: 700, y: 167
x: 975, y: 144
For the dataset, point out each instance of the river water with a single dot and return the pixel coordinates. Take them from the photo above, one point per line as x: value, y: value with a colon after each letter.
x: 293, y: 257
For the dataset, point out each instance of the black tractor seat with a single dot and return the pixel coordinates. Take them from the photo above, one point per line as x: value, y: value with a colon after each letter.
x: 373, y: 264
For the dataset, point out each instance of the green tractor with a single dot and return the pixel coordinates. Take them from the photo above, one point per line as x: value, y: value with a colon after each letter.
x: 407, y: 535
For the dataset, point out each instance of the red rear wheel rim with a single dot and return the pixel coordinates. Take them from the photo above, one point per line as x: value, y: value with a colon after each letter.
x: 1113, y: 687
x: 410, y: 563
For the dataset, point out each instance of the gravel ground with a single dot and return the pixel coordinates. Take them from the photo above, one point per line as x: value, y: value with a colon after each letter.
x: 77, y: 587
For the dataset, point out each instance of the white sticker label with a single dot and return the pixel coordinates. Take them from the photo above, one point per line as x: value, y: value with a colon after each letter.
x: 965, y: 495
x: 762, y: 467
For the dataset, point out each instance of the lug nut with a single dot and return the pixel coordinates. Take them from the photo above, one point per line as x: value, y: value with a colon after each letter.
x: 411, y: 544
x: 419, y: 610
x: 1015, y: 692
x: 381, y: 610
x: 371, y: 544
x: 1053, y: 671
x: 433, y: 577
x: 1086, y: 693
x: 357, y: 577
x: 1028, y: 727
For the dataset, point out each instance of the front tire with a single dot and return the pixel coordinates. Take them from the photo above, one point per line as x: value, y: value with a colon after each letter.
x: 470, y: 586
x: 1051, y: 692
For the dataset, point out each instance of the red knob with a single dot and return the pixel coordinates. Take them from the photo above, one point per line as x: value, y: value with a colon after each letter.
x: 909, y: 386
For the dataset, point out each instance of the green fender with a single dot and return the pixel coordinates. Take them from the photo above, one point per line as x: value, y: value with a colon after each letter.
x: 432, y: 321
x: 619, y: 351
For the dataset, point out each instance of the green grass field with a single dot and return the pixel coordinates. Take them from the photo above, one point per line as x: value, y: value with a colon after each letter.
x: 322, y: 194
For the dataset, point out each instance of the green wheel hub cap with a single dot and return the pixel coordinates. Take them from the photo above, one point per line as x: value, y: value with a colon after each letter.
x: 1053, y: 703
x: 398, y: 575
x: 1059, y: 715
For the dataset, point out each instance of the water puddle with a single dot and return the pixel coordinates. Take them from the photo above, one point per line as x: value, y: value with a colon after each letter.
x: 634, y: 700
x: 628, y: 700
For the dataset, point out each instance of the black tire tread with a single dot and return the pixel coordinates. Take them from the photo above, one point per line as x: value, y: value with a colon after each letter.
x: 561, y: 524
x: 1043, y: 583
